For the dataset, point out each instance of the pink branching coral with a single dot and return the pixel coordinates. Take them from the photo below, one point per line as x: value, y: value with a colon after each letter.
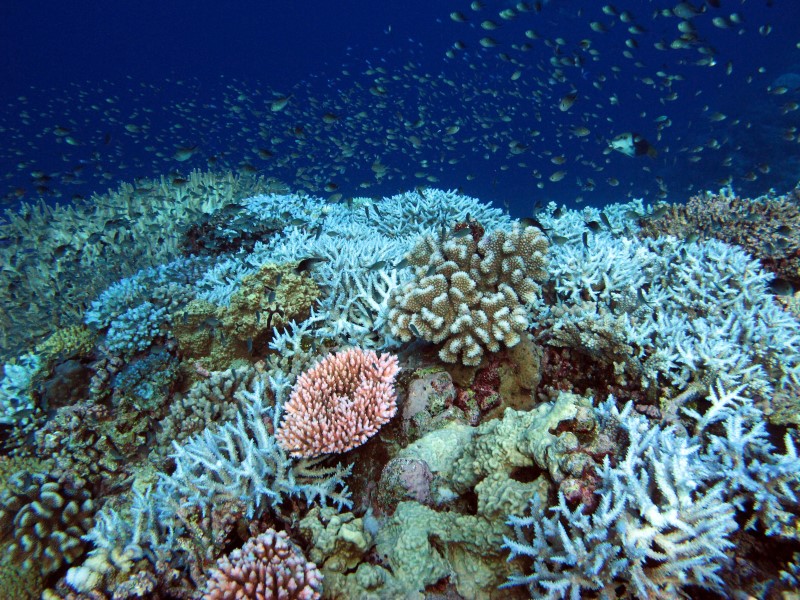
x: 339, y: 404
x: 267, y: 566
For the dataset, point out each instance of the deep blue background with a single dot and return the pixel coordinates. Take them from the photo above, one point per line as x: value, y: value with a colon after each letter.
x: 57, y: 58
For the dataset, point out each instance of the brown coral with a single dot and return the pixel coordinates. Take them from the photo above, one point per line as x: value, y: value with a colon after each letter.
x: 470, y: 295
x: 767, y: 227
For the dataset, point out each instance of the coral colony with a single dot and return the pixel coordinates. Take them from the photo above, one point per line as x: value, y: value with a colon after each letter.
x: 417, y: 396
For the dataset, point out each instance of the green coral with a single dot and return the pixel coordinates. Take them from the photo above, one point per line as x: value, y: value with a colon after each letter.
x: 75, y: 340
x: 424, y: 546
x: 454, y: 535
x: 218, y: 335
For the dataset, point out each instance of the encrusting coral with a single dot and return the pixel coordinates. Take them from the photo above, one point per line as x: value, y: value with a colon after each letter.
x: 469, y: 291
x: 265, y: 300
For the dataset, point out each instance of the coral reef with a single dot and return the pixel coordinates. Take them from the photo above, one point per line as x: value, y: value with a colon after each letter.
x: 470, y: 294
x: 64, y: 255
x: 44, y: 521
x: 605, y: 413
x: 243, y: 461
x: 339, y: 404
x: 768, y: 227
x: 657, y: 526
x: 263, y: 302
x: 625, y: 302
x: 267, y: 566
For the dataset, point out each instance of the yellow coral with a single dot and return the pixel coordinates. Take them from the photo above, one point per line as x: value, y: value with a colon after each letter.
x: 76, y: 340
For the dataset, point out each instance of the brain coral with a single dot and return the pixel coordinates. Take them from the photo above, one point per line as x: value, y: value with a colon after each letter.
x: 469, y: 292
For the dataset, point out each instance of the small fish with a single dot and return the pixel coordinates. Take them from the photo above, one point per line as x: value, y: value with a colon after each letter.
x: 781, y: 287
x: 307, y: 263
x: 632, y: 144
x: 279, y: 104
x: 533, y: 222
x: 462, y: 233
x: 640, y: 297
x: 567, y: 101
x: 402, y: 264
x: 184, y: 153
x: 604, y: 220
x: 585, y: 239
x: 414, y: 330
x: 594, y: 226
x: 377, y: 265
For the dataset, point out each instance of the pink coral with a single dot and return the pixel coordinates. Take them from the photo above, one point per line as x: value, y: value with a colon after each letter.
x: 267, y: 566
x: 340, y: 403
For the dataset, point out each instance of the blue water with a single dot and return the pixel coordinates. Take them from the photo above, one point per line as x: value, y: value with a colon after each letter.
x: 203, y: 76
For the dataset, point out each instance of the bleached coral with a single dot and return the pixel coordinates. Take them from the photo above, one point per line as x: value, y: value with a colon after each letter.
x: 134, y: 330
x: 659, y: 524
x: 421, y: 212
x: 667, y: 505
x: 758, y: 480
x: 16, y: 396
x: 470, y: 295
x: 668, y: 311
x: 242, y: 461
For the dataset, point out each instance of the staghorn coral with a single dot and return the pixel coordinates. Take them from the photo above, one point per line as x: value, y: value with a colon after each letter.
x: 212, y: 399
x: 267, y: 566
x: 767, y: 227
x: 661, y: 523
x: 242, y: 461
x: 63, y: 256
x: 670, y: 317
x: 339, y: 403
x: 17, y: 400
x: 469, y: 295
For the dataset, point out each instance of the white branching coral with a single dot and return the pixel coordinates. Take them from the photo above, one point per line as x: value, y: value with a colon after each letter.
x: 674, y: 315
x: 470, y: 295
x: 659, y: 524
